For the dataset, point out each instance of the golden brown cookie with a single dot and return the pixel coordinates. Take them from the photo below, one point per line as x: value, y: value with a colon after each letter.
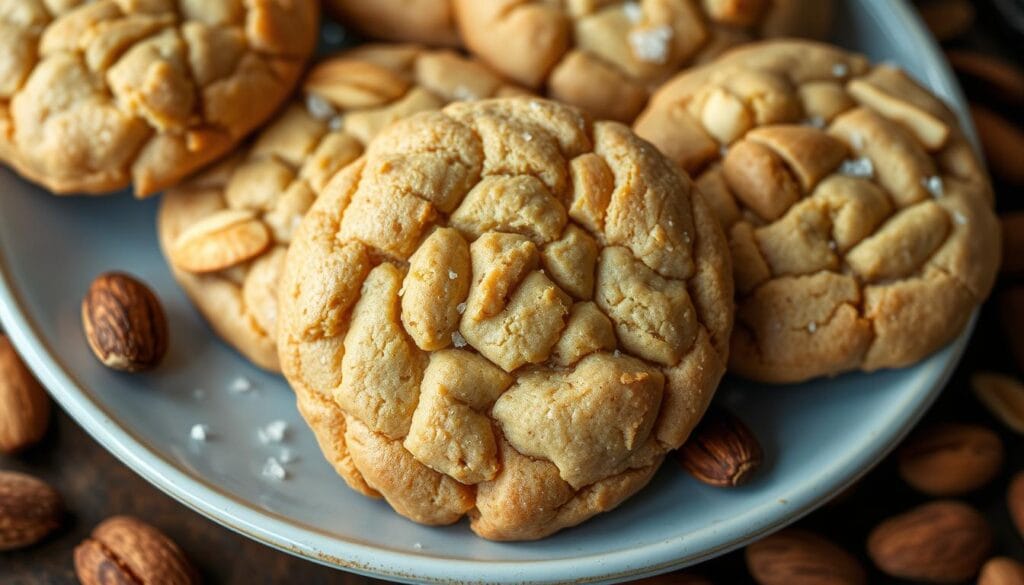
x: 95, y: 96
x: 430, y: 22
x: 504, y: 311
x: 607, y: 55
x: 225, y: 231
x: 859, y: 219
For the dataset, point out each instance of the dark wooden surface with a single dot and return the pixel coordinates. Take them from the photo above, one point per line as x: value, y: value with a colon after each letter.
x: 95, y: 485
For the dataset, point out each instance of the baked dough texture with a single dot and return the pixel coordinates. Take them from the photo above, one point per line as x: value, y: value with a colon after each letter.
x: 506, y: 312
x: 98, y: 95
x: 225, y: 231
x: 431, y: 22
x: 860, y: 220
x: 606, y: 56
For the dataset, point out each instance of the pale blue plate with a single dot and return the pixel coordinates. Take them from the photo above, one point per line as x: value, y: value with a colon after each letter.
x: 818, y: 437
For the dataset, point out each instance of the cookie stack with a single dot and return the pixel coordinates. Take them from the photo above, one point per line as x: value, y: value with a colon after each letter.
x: 492, y: 297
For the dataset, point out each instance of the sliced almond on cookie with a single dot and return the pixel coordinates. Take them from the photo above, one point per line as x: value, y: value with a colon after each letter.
x: 220, y: 241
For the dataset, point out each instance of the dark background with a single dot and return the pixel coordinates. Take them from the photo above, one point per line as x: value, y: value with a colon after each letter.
x: 95, y: 485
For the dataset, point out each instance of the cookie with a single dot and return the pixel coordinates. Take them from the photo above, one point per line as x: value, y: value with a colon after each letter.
x: 430, y: 22
x: 95, y: 96
x: 607, y: 55
x: 504, y: 311
x: 859, y: 218
x: 225, y: 231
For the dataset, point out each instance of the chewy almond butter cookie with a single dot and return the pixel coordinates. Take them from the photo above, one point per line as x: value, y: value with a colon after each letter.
x: 431, y: 22
x: 225, y: 231
x: 507, y: 312
x: 607, y: 55
x: 95, y: 96
x: 860, y: 220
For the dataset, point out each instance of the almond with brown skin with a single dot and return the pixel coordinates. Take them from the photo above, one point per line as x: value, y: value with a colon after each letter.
x: 1003, y: 143
x: 721, y: 451
x: 1001, y: 571
x: 940, y: 542
x: 126, y: 550
x: 950, y: 459
x: 1003, y: 396
x: 798, y: 557
x: 124, y: 323
x: 989, y: 75
x: 947, y: 19
x: 24, y: 405
x: 1015, y: 501
x: 29, y: 510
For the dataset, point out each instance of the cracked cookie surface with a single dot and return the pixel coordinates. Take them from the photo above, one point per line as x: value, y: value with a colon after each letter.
x: 98, y: 95
x: 504, y: 311
x: 225, y: 231
x: 606, y: 56
x: 859, y: 219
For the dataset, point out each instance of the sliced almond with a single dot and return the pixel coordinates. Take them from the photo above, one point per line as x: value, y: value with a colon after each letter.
x: 220, y: 241
x: 1003, y: 396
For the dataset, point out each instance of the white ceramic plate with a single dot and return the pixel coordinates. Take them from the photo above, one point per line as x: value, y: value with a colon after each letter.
x: 818, y: 437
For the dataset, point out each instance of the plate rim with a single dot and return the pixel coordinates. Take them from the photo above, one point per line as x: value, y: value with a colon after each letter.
x: 278, y: 532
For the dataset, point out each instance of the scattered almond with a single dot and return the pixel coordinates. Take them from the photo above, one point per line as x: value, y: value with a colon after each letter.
x: 1002, y: 142
x: 947, y: 19
x: 220, y: 241
x: 798, y: 557
x: 1011, y: 317
x: 1001, y: 571
x: 993, y: 76
x: 721, y: 451
x: 24, y: 405
x: 29, y: 510
x: 950, y: 459
x: 1013, y: 242
x: 1003, y: 396
x: 1015, y: 501
x: 125, y: 550
x: 124, y: 323
x: 940, y: 542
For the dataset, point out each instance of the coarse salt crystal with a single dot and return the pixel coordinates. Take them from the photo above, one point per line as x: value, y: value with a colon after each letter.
x: 535, y: 105
x: 320, y: 108
x: 287, y: 455
x: 934, y: 185
x: 461, y: 308
x: 417, y: 545
x: 199, y: 432
x: 959, y: 218
x: 337, y: 124
x: 651, y: 44
x: 458, y: 339
x: 812, y: 326
x: 452, y: 275
x: 633, y: 11
x: 273, y: 432
x: 840, y: 69
x: 617, y: 353
x: 859, y: 167
x: 527, y: 136
x: 464, y: 94
x: 240, y: 384
x: 273, y: 469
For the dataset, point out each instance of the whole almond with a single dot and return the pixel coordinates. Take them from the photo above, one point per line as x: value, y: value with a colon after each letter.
x: 798, y: 557
x: 1011, y: 317
x: 29, y: 510
x: 1015, y: 501
x: 1003, y: 396
x: 950, y: 459
x: 947, y: 19
x: 220, y: 241
x: 721, y: 451
x: 24, y: 405
x: 126, y: 550
x: 1001, y: 571
x: 1012, y: 229
x: 940, y: 542
x: 1003, y: 143
x: 990, y: 75
x: 124, y: 323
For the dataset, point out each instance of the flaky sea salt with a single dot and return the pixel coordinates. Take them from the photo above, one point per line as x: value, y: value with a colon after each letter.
x: 273, y: 432
x: 617, y: 353
x: 273, y: 469
x: 527, y: 136
x: 461, y: 308
x: 199, y: 433
x: 417, y: 545
x: 535, y: 105
x: 320, y: 108
x: 959, y: 218
x: 858, y: 167
x: 287, y: 456
x: 452, y: 275
x: 240, y: 385
x: 840, y: 69
x: 633, y: 11
x: 934, y: 185
x: 464, y: 94
x: 651, y: 44
x: 337, y: 124
x: 812, y: 327
x: 458, y: 340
